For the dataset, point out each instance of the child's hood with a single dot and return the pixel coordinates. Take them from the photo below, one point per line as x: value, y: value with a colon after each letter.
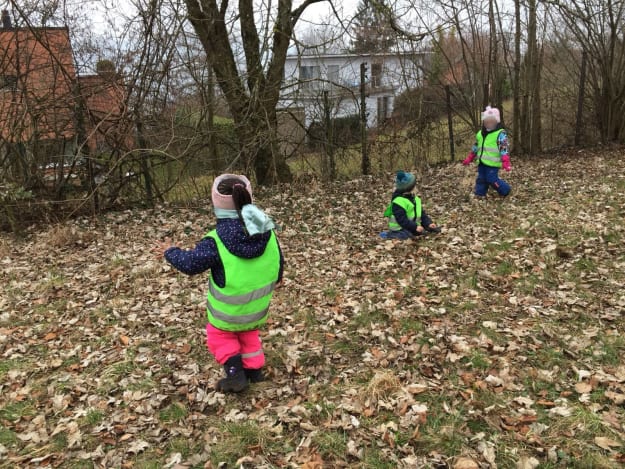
x: 237, y: 241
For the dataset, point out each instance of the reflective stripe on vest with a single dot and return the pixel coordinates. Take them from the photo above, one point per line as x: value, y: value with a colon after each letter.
x: 241, y: 299
x: 413, y: 212
x: 240, y: 319
x: 243, y: 303
x: 488, y: 149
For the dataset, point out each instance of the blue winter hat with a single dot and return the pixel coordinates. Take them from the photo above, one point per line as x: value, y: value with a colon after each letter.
x: 404, y: 181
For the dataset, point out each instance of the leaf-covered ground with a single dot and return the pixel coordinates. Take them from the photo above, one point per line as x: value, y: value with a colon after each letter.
x: 499, y: 343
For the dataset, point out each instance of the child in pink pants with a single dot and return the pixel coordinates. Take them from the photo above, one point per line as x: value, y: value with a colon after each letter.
x: 246, y: 264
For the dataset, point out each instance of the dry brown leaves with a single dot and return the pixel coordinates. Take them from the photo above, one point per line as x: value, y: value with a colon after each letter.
x: 496, y: 344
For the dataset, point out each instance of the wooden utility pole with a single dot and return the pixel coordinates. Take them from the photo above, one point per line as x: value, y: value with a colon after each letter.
x: 366, y: 164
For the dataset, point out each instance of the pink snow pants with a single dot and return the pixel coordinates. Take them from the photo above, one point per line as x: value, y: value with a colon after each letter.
x: 224, y: 345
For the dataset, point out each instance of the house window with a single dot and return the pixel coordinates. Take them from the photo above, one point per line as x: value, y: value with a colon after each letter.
x: 333, y: 74
x: 8, y: 82
x: 376, y: 74
x: 383, y: 109
x: 309, y: 76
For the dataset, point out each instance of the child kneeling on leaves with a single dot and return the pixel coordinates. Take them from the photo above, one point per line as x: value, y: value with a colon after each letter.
x: 406, y: 215
x: 246, y: 264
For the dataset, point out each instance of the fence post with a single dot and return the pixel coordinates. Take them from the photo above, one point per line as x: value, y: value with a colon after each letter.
x: 329, y: 164
x: 450, y: 123
x: 366, y: 164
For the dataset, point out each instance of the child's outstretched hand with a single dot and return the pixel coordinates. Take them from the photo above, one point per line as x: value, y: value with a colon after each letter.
x: 161, y: 246
x: 469, y: 159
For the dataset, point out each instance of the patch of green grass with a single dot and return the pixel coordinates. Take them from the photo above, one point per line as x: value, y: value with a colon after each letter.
x: 498, y: 246
x: 78, y: 464
x: 8, y: 365
x: 94, y: 417
x: 330, y: 293
x: 182, y: 445
x: 467, y: 306
x: 103, y: 315
x: 331, y: 444
x: 613, y: 237
x: 478, y: 360
x: 309, y: 318
x: 367, y: 317
x: 477, y: 425
x: 173, y: 333
x: 548, y: 357
x: 321, y: 410
x: 347, y: 346
x: 145, y: 384
x: 7, y: 437
x: 14, y: 411
x: 586, y: 425
x: 119, y: 261
x: 504, y: 268
x: 611, y: 351
x: 120, y: 370
x: 470, y: 280
x: 442, y: 433
x: 310, y: 359
x: 148, y: 460
x: 586, y: 233
x: 175, y: 412
x: 527, y: 283
x: 376, y: 459
x: 585, y: 265
x: 410, y: 324
x: 237, y: 439
x: 59, y: 441
x: 54, y: 279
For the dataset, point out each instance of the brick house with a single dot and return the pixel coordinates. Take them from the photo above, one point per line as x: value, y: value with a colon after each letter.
x: 49, y: 115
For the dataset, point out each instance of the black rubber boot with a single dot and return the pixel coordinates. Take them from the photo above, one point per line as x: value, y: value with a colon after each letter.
x: 254, y: 375
x: 235, y: 380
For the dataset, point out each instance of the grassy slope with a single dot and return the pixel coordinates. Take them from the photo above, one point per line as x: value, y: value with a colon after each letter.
x: 500, y: 341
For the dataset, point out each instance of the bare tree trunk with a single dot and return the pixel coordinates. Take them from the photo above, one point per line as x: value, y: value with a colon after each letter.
x: 580, y: 99
x: 252, y: 98
x: 531, y: 116
x: 516, y: 80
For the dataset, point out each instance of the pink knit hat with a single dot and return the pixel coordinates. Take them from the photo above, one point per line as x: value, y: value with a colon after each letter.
x: 491, y: 112
x: 225, y: 201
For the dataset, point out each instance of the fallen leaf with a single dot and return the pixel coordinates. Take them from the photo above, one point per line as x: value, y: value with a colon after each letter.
x: 50, y: 336
x: 527, y: 462
x: 583, y: 387
x: 606, y: 443
x: 616, y: 397
x: 465, y: 463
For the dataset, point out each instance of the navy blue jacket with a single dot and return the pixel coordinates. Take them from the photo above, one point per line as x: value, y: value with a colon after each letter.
x: 205, y: 255
x: 402, y: 218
